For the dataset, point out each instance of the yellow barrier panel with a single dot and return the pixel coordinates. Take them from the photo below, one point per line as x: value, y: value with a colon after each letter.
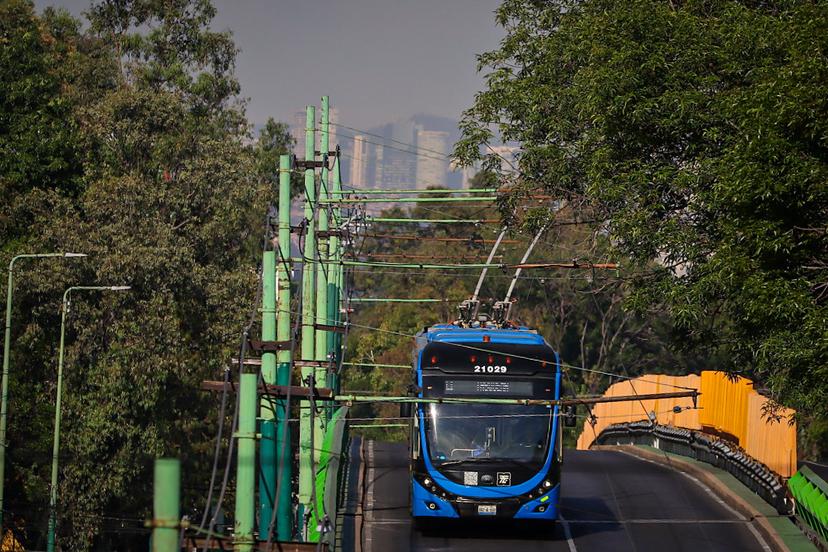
x: 729, y: 408
x: 771, y: 439
x: 723, y: 405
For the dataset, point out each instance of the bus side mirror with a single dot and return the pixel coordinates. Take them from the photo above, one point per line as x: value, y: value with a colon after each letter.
x: 569, y: 416
x: 405, y: 410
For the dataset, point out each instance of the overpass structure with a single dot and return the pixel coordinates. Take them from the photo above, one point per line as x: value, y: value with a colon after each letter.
x: 303, y: 483
x: 611, y: 500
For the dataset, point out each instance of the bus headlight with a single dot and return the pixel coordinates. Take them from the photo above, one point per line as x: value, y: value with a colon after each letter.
x: 547, y: 483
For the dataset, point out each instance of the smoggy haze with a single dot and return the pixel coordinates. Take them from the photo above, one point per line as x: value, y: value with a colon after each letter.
x: 379, y: 60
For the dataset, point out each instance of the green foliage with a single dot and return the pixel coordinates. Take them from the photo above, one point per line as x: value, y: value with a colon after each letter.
x: 694, y: 134
x: 37, y: 146
x: 125, y: 142
x: 168, y: 45
x: 274, y: 141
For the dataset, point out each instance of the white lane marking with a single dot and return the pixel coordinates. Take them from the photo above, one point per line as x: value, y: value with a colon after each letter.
x: 369, y: 498
x: 709, y: 491
x: 765, y: 546
x: 567, y: 534
x: 359, y: 521
x: 657, y: 521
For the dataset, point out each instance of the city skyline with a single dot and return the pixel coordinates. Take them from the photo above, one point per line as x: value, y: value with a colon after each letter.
x: 413, y: 152
x: 368, y: 55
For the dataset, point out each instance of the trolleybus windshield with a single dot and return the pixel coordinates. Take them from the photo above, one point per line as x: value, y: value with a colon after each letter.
x: 458, y: 433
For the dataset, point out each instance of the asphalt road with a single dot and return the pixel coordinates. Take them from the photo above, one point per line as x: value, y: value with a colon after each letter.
x: 610, y: 501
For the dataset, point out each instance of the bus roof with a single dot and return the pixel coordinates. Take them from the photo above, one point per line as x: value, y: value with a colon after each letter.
x: 457, y: 334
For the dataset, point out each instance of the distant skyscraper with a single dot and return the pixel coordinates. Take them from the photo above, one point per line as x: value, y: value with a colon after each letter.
x: 432, y: 158
x: 379, y: 163
x: 399, y: 156
x: 359, y: 163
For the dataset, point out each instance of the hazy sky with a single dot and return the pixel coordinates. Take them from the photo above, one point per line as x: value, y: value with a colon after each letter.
x: 379, y: 60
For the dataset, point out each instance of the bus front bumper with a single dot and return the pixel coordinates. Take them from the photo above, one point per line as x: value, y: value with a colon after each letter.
x: 425, y: 504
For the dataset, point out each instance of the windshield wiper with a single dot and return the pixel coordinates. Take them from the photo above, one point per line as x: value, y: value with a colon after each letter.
x: 477, y: 460
x: 487, y: 460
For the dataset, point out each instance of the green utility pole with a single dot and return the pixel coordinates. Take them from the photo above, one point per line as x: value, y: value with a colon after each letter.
x: 284, y: 491
x: 53, y: 491
x: 4, y: 403
x: 243, y: 540
x: 165, y: 505
x: 335, y: 286
x: 323, y: 273
x: 267, y: 446
x: 308, y: 312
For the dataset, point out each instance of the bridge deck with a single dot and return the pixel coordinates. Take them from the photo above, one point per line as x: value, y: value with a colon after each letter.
x: 611, y: 501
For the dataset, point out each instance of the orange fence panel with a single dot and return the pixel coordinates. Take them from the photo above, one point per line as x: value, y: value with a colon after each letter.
x: 729, y: 408
x: 724, y: 404
x: 771, y: 440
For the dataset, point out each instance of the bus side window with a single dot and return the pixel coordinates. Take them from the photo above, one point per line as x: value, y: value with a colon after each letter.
x: 415, y: 438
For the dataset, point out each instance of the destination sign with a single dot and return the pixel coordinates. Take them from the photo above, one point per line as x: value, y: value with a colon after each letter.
x: 504, y: 388
x: 495, y: 359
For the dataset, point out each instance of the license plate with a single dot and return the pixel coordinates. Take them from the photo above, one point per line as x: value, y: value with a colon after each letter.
x: 486, y: 509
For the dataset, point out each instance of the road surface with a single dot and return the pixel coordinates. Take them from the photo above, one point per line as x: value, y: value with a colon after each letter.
x: 610, y: 501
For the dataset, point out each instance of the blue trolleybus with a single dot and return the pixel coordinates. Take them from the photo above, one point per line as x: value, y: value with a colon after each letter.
x: 475, y: 460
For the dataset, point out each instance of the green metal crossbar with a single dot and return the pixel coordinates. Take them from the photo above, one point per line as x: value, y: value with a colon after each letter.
x: 428, y: 191
x: 410, y: 200
x: 433, y: 221
x: 365, y: 426
x: 377, y: 365
x: 398, y: 300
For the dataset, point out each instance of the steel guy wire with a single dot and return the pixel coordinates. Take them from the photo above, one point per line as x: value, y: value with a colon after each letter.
x: 281, y: 452
x: 421, y: 148
x: 411, y: 151
x: 522, y: 357
x: 242, y: 350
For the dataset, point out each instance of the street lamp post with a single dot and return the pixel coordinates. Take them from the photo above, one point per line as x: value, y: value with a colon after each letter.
x: 4, y: 401
x: 50, y: 543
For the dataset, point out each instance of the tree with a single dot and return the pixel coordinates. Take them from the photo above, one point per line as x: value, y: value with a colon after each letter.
x: 37, y: 147
x: 167, y: 195
x: 274, y: 141
x: 694, y: 135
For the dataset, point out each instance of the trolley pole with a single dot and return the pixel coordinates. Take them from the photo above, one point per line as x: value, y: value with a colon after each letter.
x: 308, y: 312
x: 267, y: 446
x: 284, y: 491
x: 165, y: 507
x: 323, y: 273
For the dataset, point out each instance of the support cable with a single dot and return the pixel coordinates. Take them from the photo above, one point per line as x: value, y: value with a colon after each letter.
x: 281, y: 454
x: 521, y: 357
x: 242, y: 351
